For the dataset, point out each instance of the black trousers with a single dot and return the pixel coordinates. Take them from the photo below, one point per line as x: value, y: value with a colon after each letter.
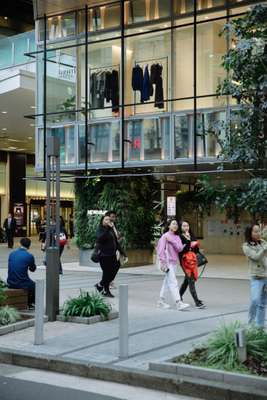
x: 189, y: 281
x: 31, y: 295
x: 110, y: 266
x: 61, y: 249
x: 10, y: 239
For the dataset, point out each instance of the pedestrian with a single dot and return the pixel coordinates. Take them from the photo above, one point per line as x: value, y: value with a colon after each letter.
x: 10, y: 226
x: 38, y: 222
x: 255, y: 249
x: 63, y: 241
x: 113, y: 218
x: 169, y: 246
x: 188, y: 261
x: 20, y: 261
x: 71, y: 225
x: 109, y: 250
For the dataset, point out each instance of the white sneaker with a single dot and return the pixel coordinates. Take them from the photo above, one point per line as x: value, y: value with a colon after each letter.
x: 163, y: 304
x: 181, y: 306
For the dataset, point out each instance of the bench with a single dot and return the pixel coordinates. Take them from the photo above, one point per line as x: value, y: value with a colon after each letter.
x: 17, y: 298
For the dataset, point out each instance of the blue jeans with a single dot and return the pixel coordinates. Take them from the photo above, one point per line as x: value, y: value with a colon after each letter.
x: 258, y: 301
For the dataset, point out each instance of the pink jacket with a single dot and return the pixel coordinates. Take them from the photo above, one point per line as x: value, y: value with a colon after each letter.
x: 173, y: 245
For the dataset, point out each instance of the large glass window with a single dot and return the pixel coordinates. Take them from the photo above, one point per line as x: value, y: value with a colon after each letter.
x: 61, y: 82
x: 103, y: 142
x: 100, y: 18
x: 207, y: 145
x: 182, y: 135
x: 61, y: 26
x: 137, y: 11
x: 147, y: 73
x: 183, y: 62
x: 149, y: 139
x: 67, y: 143
x: 210, y: 49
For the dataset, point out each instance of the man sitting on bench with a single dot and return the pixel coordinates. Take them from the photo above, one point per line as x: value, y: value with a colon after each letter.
x: 19, y: 262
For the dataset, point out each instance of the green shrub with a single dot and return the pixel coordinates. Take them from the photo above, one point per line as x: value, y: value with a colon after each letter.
x: 2, y: 294
x: 86, y: 305
x: 8, y: 315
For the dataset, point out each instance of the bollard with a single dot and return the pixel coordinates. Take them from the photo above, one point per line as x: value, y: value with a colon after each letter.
x: 240, y: 340
x: 39, y: 312
x: 123, y: 322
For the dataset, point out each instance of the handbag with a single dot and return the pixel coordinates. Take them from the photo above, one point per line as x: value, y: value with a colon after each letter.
x: 201, y: 259
x: 95, y: 256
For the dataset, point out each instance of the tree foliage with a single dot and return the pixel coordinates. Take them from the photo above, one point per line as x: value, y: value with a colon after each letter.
x: 131, y: 198
x: 245, y: 62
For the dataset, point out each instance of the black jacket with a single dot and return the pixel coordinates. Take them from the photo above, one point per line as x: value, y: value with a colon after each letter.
x: 187, y: 246
x: 107, y: 242
x: 12, y: 227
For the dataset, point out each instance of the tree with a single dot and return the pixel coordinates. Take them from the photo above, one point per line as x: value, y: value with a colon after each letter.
x: 244, y: 143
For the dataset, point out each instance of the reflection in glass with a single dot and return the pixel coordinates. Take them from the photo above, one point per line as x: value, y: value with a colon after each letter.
x: 149, y: 139
x: 182, y: 127
x: 66, y: 140
x: 61, y: 80
x: 207, y: 145
x: 145, y: 10
x: 60, y: 27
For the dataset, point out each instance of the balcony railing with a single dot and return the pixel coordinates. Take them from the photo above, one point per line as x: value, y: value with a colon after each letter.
x: 13, y: 49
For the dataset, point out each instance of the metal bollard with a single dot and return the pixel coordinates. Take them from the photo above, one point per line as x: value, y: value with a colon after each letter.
x: 39, y: 312
x: 240, y: 340
x: 123, y: 322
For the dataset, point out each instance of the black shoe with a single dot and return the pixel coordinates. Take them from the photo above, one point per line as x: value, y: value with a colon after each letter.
x: 200, y: 304
x: 99, y: 288
x: 108, y: 294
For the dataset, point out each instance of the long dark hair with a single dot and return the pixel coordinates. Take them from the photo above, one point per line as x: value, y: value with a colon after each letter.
x: 248, y: 232
x: 167, y: 226
x: 180, y: 228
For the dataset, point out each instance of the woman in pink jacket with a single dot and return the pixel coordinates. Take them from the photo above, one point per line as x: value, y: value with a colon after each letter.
x: 169, y: 246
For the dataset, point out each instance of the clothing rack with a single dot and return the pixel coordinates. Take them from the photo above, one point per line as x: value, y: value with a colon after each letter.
x: 150, y: 60
x: 146, y: 61
x: 105, y: 67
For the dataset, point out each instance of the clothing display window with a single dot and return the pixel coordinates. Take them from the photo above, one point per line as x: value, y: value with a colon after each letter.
x: 104, y: 88
x: 149, y: 82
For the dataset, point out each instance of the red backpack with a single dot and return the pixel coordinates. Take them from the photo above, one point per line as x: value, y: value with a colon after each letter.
x: 189, y: 261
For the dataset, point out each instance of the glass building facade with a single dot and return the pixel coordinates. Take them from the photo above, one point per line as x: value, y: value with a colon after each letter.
x: 133, y: 83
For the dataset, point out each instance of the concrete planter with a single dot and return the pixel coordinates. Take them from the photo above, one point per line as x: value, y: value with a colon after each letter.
x: 88, y: 320
x: 26, y: 322
x: 139, y: 257
x: 85, y: 257
x: 208, y: 374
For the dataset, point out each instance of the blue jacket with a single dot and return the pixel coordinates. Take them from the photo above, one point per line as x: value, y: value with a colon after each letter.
x: 19, y: 262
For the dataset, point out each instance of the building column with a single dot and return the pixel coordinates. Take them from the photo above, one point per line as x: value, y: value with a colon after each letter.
x: 17, y: 191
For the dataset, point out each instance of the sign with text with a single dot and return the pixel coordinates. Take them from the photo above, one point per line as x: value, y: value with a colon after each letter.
x: 171, y: 206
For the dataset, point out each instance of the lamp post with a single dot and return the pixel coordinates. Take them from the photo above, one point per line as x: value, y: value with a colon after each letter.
x: 53, y: 226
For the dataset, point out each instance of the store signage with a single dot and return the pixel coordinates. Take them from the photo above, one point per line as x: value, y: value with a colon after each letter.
x: 96, y: 212
x: 171, y: 206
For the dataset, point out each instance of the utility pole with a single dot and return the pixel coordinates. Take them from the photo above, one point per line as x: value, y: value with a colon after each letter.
x: 52, y: 227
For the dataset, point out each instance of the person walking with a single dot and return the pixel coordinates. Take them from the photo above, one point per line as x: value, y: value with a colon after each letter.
x: 113, y: 218
x: 188, y: 261
x: 169, y: 246
x: 10, y: 226
x: 255, y: 249
x: 63, y: 241
x: 71, y: 225
x: 19, y: 262
x: 109, y: 250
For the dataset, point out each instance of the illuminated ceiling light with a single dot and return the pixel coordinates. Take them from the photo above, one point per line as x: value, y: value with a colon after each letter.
x: 29, y: 137
x: 33, y: 107
x: 12, y: 148
x: 5, y: 18
x: 32, y: 125
x: 4, y: 112
x: 4, y: 129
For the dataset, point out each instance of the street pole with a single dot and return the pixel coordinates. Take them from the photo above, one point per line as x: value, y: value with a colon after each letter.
x: 52, y: 227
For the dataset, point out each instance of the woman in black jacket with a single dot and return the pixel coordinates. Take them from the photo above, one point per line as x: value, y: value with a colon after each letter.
x: 190, y: 244
x: 110, y: 250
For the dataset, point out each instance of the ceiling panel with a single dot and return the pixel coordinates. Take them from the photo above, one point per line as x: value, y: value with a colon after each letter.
x: 49, y: 7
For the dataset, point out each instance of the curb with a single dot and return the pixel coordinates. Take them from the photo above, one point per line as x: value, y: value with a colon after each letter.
x: 88, y: 320
x: 18, y: 326
x: 220, y: 376
x: 155, y: 380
